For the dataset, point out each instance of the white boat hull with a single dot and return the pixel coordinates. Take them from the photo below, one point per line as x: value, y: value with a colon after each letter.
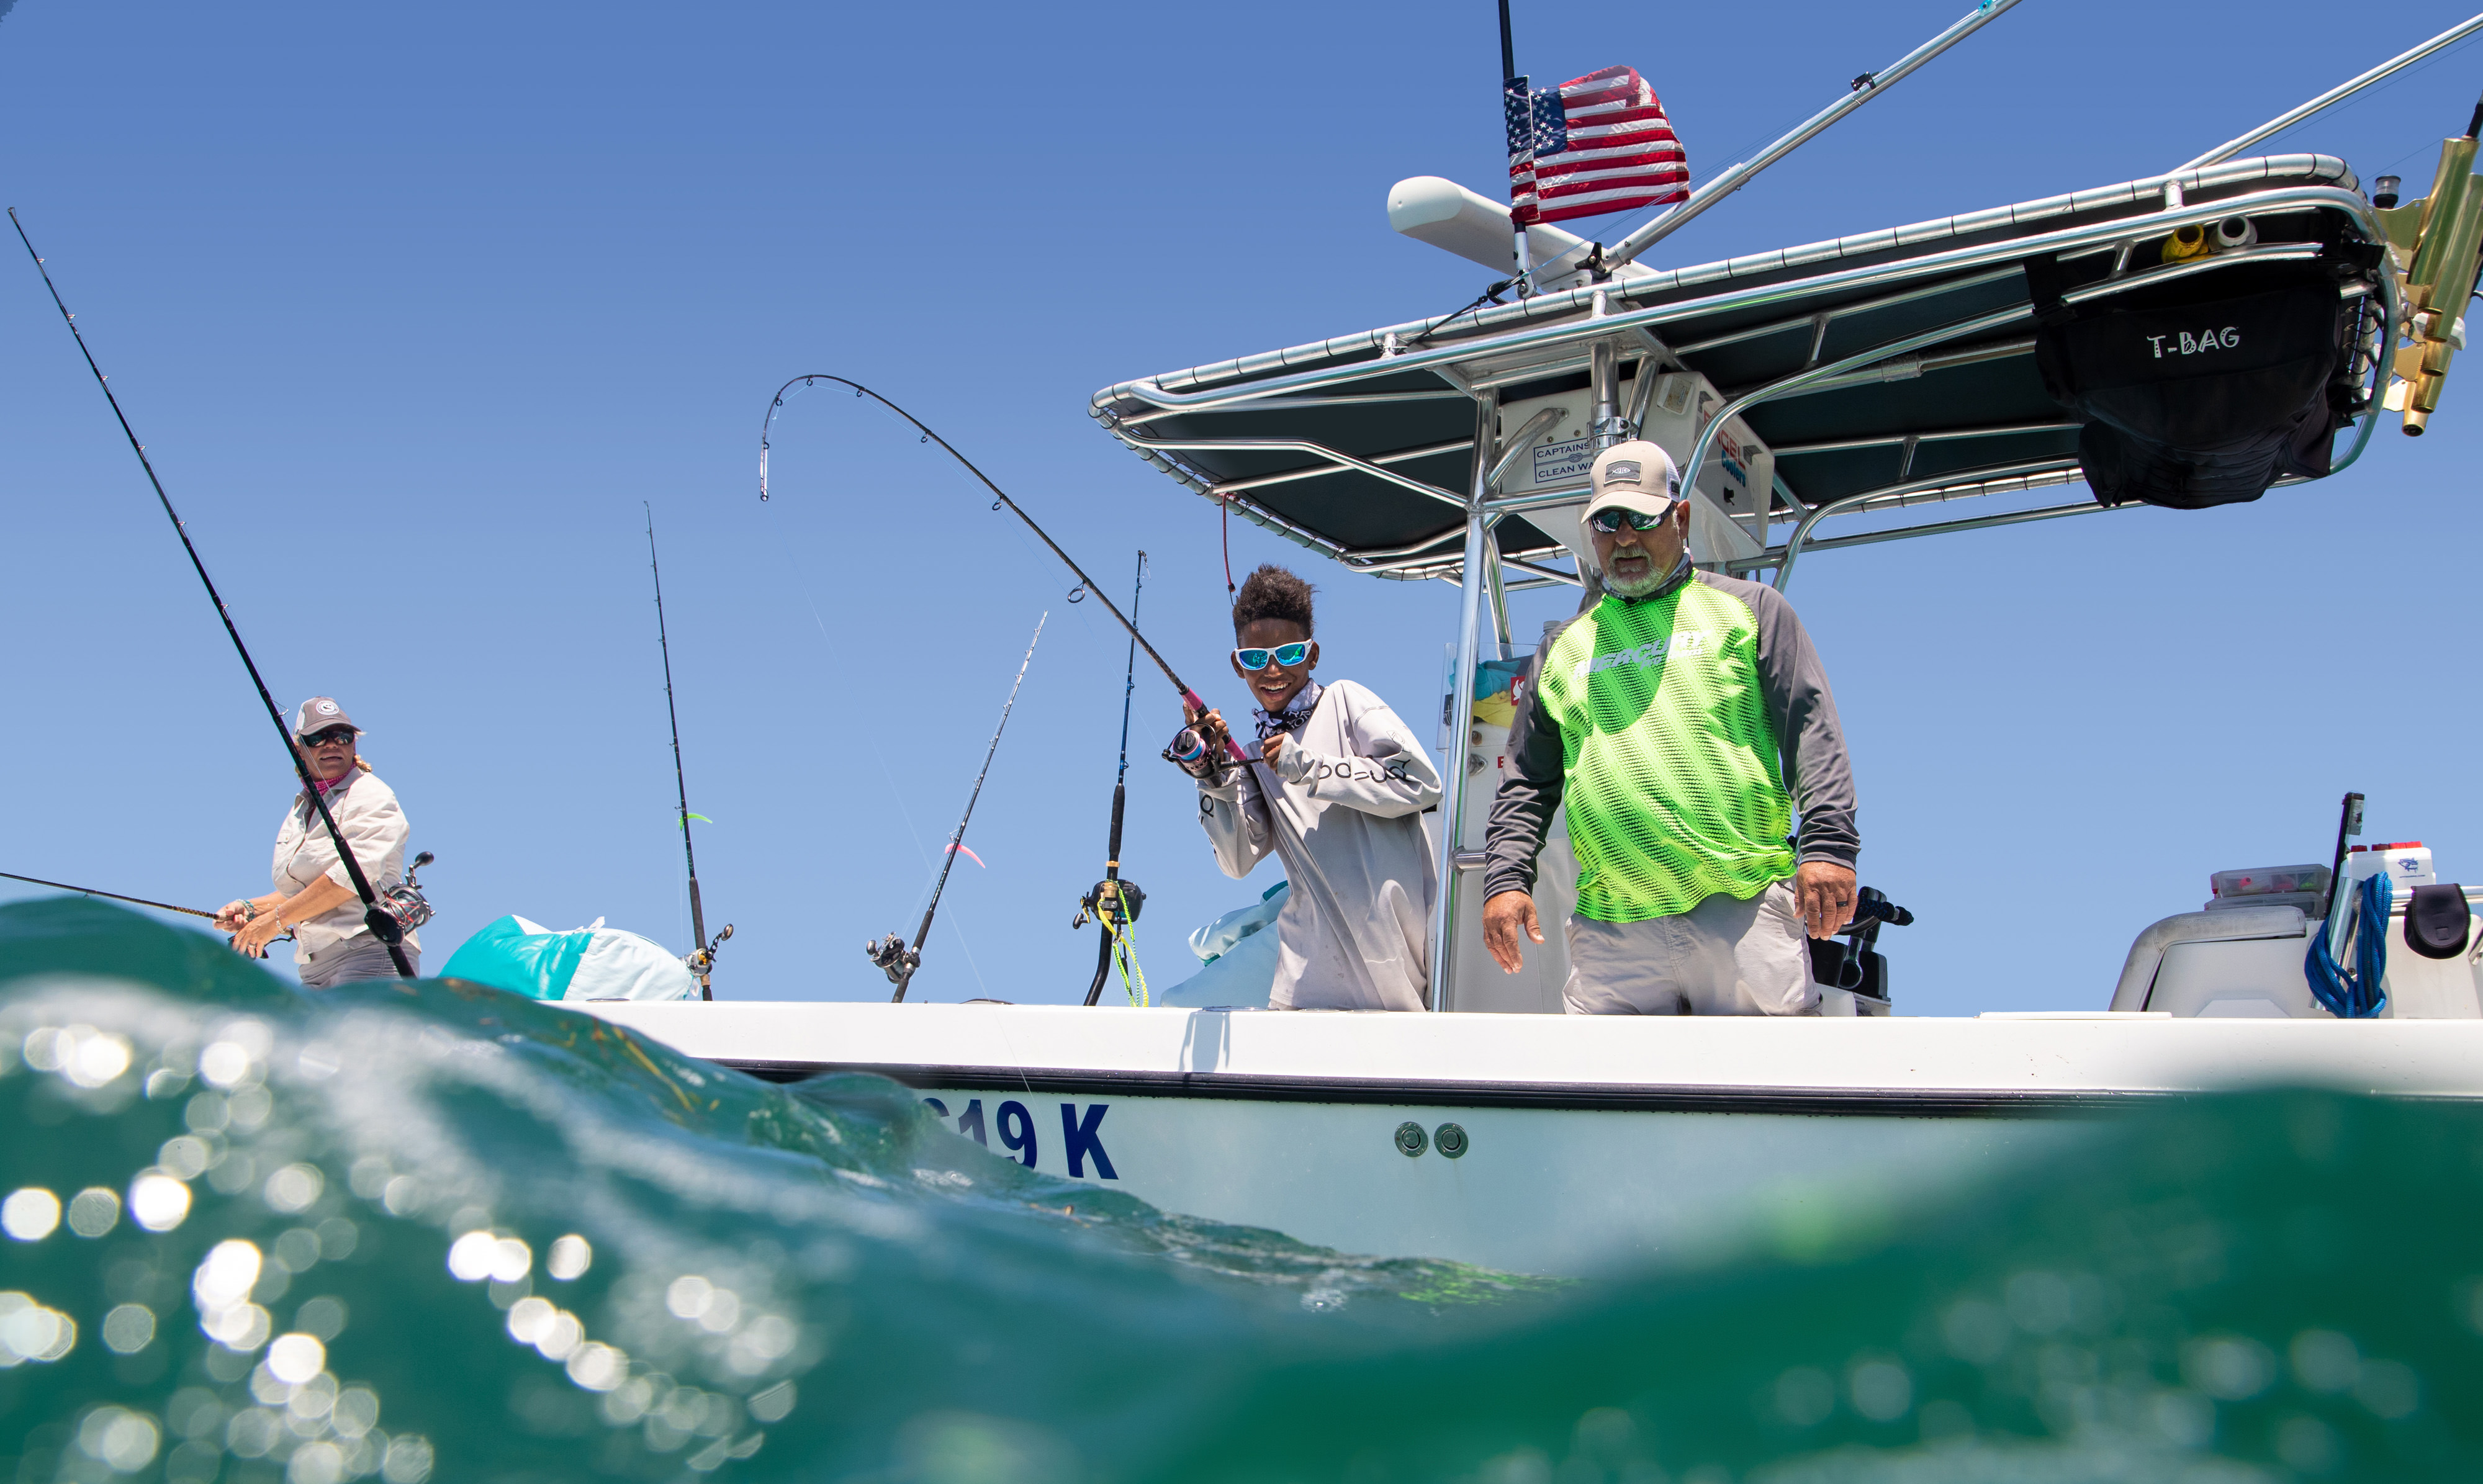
x: 1589, y: 1143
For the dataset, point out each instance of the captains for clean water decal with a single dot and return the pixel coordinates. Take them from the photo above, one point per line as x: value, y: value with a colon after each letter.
x: 1563, y: 464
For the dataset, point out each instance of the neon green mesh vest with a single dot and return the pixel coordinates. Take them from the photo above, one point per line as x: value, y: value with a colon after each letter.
x: 1672, y: 781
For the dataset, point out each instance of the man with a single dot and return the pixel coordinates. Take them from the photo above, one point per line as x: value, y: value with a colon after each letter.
x: 1684, y: 716
x: 315, y: 899
x: 1336, y: 792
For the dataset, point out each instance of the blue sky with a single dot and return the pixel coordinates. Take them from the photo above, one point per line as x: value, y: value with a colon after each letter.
x: 415, y: 306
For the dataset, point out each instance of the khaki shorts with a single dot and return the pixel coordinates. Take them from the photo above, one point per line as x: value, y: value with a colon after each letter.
x: 1722, y: 957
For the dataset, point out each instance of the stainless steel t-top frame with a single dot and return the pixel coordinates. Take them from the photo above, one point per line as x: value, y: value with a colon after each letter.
x: 1511, y: 350
x: 1345, y: 447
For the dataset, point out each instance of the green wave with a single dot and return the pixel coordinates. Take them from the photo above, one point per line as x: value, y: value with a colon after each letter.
x: 429, y: 1231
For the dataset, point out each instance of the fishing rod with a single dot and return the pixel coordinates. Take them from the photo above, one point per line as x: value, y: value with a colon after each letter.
x: 1186, y: 748
x: 890, y: 953
x: 136, y: 901
x: 382, y: 924
x: 702, y: 962
x: 1115, y: 903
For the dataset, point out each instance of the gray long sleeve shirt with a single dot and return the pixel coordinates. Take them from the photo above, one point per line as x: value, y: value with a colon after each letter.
x: 1343, y: 811
x: 1803, y: 743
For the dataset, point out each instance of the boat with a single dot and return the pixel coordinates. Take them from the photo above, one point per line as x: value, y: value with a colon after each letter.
x: 1900, y: 383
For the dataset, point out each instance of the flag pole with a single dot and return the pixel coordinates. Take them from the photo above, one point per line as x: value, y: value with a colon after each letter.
x: 1517, y: 115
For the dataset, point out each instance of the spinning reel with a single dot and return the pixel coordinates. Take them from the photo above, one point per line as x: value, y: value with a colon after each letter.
x: 702, y: 963
x: 894, y: 958
x: 1189, y: 752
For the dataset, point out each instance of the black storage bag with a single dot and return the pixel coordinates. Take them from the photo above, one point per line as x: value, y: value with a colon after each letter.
x: 2193, y: 395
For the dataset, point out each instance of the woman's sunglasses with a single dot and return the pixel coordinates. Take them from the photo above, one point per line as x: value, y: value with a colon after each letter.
x: 1608, y: 522
x: 1287, y: 654
x: 336, y: 734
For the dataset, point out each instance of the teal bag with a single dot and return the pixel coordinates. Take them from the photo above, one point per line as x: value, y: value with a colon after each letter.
x: 520, y: 957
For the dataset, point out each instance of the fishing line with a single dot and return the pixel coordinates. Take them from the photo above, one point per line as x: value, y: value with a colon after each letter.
x: 382, y: 924
x: 889, y: 774
x: 1190, y: 699
x: 891, y: 954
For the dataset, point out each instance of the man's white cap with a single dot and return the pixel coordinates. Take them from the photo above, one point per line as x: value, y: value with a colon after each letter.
x: 1634, y: 476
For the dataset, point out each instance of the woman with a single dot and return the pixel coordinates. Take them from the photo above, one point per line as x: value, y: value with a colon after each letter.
x: 314, y: 898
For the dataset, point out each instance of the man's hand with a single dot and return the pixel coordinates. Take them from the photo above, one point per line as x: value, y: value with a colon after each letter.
x: 1509, y: 920
x: 1822, y: 891
x: 1272, y: 748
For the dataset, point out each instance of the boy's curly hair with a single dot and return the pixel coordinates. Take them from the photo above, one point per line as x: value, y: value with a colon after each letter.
x: 1272, y: 593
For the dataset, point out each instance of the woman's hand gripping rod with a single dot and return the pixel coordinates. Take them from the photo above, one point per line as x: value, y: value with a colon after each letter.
x: 1193, y: 708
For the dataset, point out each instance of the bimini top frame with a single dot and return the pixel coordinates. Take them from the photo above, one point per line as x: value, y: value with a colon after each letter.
x: 1886, y: 370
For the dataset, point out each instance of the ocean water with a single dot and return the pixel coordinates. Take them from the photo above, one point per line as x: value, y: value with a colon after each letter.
x: 416, y: 1233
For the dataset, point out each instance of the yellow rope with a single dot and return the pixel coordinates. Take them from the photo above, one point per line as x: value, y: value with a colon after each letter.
x: 1125, y: 953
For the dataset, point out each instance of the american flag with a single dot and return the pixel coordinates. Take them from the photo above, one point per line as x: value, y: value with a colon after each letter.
x: 1595, y: 144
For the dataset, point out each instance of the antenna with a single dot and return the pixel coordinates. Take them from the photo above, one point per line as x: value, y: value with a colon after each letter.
x: 702, y: 962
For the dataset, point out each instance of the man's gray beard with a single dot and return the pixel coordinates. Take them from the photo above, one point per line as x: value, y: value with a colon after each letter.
x: 1641, y: 588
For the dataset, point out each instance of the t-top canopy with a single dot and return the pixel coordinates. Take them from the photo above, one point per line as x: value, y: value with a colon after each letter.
x: 1882, y: 370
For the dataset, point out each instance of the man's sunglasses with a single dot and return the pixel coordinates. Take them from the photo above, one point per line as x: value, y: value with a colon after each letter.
x: 337, y: 735
x: 1287, y: 654
x: 1608, y: 522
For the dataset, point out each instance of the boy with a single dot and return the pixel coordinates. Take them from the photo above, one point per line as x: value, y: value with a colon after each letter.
x: 1336, y: 790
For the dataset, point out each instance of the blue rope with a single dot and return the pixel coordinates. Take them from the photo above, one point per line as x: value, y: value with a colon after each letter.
x: 2355, y: 995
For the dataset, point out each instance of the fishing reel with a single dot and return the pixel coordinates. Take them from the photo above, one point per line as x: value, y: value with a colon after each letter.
x: 404, y: 902
x: 894, y: 958
x: 1123, y: 899
x: 703, y: 962
x: 1189, y: 752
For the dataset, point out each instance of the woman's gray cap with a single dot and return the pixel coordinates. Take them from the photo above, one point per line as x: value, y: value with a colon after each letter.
x: 1636, y: 476
x: 318, y: 714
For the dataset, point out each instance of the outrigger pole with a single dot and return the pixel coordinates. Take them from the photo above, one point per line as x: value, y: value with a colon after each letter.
x: 702, y: 962
x: 1865, y: 87
x: 382, y: 924
x: 890, y: 953
x: 2334, y: 96
x: 1189, y: 698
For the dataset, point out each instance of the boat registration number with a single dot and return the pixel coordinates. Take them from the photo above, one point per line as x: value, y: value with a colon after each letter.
x: 1021, y: 1133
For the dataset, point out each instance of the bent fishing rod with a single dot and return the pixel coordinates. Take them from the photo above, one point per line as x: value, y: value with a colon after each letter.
x: 382, y: 925
x: 895, y: 958
x: 703, y: 962
x: 1195, y: 707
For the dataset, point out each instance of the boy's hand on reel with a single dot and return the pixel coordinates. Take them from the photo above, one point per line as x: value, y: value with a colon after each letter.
x: 1199, y: 748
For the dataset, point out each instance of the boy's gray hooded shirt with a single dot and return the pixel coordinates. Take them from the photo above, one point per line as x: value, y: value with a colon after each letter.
x: 1343, y: 811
